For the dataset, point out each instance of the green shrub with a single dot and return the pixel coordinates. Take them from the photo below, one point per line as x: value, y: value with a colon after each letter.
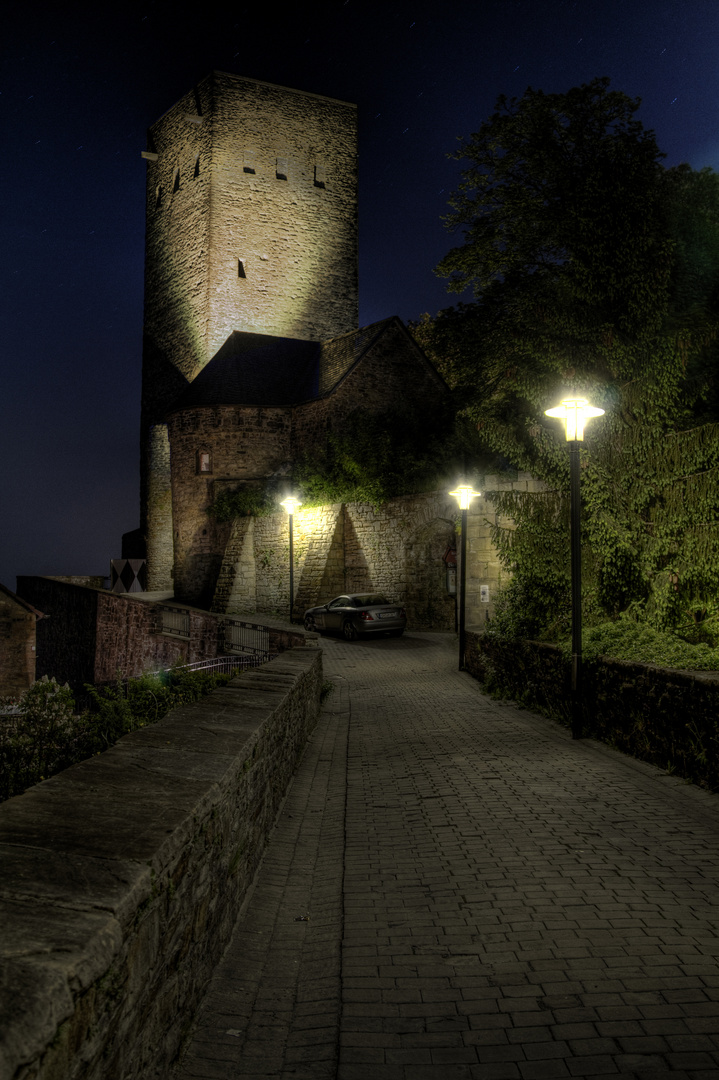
x: 642, y: 644
x: 42, y: 740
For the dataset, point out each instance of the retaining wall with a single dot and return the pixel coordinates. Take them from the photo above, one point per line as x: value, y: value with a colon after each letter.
x: 667, y: 717
x: 92, y: 634
x: 123, y: 877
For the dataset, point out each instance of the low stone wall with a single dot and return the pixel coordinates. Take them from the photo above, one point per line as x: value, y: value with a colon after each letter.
x: 667, y: 717
x: 123, y: 877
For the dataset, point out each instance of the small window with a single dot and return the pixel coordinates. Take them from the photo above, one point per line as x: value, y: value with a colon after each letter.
x: 281, y: 171
x: 176, y: 181
x: 196, y: 171
x: 158, y: 196
x: 319, y: 176
x: 204, y: 462
x: 241, y: 268
x: 250, y: 162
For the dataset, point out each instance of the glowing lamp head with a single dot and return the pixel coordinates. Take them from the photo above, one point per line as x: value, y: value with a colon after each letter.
x: 291, y: 504
x: 464, y: 495
x: 575, y: 412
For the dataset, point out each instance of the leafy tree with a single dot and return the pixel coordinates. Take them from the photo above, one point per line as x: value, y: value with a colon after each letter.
x: 594, y: 270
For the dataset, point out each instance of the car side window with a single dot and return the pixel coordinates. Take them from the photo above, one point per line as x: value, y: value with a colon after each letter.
x: 341, y: 601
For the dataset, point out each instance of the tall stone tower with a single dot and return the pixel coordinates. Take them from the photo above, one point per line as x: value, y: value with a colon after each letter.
x: 251, y: 226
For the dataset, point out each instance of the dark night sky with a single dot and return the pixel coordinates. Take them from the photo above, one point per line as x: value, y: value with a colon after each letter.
x: 80, y: 84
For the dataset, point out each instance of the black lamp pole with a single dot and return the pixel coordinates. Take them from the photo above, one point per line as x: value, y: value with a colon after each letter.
x: 464, y: 494
x: 292, y: 564
x: 462, y: 587
x: 576, y: 556
x: 291, y: 504
x: 575, y: 412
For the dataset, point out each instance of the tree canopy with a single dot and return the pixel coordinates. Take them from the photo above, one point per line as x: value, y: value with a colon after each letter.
x: 595, y: 270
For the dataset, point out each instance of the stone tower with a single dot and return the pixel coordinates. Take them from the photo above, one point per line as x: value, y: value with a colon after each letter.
x: 251, y: 226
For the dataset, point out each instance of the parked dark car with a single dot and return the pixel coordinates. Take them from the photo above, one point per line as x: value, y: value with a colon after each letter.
x: 357, y: 614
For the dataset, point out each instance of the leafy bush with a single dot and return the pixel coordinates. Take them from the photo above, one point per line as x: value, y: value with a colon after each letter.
x: 528, y: 609
x: 41, y: 740
x: 247, y: 502
x: 531, y: 606
x: 642, y: 644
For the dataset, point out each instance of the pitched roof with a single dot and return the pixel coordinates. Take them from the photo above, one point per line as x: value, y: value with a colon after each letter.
x: 262, y: 370
x: 255, y: 369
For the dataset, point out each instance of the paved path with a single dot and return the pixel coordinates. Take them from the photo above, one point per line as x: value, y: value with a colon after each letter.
x: 456, y: 889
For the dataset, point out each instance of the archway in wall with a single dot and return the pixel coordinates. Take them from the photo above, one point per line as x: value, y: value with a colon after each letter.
x: 429, y: 604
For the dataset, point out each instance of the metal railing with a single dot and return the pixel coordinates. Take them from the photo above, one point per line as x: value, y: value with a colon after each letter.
x: 174, y: 620
x: 245, y: 637
x: 222, y: 665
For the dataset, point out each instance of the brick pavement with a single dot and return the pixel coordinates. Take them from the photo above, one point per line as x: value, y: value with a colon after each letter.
x: 510, y: 903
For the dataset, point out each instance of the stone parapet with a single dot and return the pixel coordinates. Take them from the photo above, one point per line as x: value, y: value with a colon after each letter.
x: 123, y: 876
x: 660, y: 715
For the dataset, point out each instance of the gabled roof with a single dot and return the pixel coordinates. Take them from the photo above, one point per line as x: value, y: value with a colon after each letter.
x: 262, y: 370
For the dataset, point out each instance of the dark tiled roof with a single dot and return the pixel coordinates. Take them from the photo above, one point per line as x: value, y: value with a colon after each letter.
x: 259, y: 369
x: 256, y: 369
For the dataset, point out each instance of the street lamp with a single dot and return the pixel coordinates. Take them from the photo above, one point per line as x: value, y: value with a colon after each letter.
x: 291, y: 504
x: 464, y: 495
x: 575, y: 412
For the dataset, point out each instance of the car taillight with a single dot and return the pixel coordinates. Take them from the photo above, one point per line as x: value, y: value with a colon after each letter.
x: 366, y: 616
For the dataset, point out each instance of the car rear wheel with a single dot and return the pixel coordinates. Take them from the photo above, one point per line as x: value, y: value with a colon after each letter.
x: 309, y: 623
x: 349, y: 632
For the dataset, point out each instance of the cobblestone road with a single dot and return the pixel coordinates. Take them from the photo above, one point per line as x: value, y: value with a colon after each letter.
x: 456, y: 889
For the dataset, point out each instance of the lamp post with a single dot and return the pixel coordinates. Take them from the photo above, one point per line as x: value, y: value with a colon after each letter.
x: 464, y: 495
x: 291, y: 504
x: 575, y: 412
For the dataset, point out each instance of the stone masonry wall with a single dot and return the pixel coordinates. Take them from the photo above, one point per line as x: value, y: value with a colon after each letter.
x: 244, y: 443
x: 484, y: 570
x: 397, y: 550
x: 123, y: 876
x: 17, y: 646
x: 660, y: 715
x: 156, y: 499
x: 284, y: 201
x: 318, y: 547
x: 91, y: 635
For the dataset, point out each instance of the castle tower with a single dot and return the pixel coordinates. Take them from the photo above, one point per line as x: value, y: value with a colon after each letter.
x: 251, y: 225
